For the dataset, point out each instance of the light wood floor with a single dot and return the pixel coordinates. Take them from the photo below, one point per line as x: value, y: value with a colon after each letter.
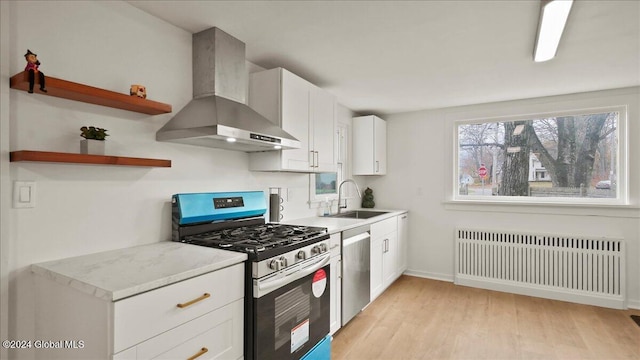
x: 426, y: 319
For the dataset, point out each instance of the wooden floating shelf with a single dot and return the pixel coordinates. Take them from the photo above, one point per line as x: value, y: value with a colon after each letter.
x: 58, y: 157
x: 89, y: 94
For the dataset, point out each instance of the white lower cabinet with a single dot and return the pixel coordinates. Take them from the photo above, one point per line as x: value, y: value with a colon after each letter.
x: 203, y: 315
x: 383, y: 254
x: 377, y: 251
x: 388, y: 252
x: 389, y: 259
x: 216, y: 338
x: 336, y: 283
x: 403, y: 243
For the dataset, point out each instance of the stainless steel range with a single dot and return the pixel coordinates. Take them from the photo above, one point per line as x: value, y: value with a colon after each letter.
x: 286, y: 277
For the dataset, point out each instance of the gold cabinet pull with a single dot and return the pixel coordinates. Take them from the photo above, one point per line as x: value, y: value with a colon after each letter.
x: 199, y: 353
x: 184, y: 305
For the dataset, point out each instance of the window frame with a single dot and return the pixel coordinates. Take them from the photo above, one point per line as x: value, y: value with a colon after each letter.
x: 622, y: 173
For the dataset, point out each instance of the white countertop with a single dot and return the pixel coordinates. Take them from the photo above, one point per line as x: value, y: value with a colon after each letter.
x: 335, y: 225
x: 117, y: 274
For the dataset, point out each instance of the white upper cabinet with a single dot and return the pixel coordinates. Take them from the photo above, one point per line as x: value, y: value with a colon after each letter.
x: 323, y: 118
x: 301, y: 109
x: 369, y: 145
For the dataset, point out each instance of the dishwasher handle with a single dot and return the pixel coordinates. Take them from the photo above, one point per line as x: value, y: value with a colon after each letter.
x: 355, y: 239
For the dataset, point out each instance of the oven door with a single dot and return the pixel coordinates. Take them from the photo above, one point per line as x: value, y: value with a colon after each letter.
x: 291, y: 310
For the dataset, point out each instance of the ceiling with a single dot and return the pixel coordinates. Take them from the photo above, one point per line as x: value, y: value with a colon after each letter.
x: 385, y: 57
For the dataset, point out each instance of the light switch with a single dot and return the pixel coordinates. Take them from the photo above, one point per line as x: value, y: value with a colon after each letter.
x: 24, y: 194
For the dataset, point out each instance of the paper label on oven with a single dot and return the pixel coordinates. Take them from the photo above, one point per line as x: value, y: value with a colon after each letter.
x: 299, y: 335
x: 319, y: 283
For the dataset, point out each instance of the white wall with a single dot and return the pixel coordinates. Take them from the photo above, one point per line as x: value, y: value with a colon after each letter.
x: 419, y: 178
x: 4, y: 177
x: 83, y: 209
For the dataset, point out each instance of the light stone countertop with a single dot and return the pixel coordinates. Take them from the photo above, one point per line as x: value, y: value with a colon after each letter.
x: 117, y: 274
x: 335, y: 225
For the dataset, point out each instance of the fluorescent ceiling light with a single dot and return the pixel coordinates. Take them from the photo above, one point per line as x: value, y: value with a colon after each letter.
x: 553, y: 17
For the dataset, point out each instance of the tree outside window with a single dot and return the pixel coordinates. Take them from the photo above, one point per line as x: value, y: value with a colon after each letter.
x: 567, y: 156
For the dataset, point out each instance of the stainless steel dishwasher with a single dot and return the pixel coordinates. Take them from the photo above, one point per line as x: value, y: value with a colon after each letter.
x: 356, y: 271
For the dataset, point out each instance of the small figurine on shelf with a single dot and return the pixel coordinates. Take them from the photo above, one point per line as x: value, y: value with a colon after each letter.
x: 139, y: 91
x: 367, y: 199
x: 32, y: 67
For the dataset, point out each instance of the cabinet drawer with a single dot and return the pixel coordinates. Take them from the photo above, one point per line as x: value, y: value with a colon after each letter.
x: 335, y: 244
x: 217, y: 335
x: 143, y: 316
x: 384, y: 227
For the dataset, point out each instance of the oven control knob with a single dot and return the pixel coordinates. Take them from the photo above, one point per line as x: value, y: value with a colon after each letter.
x: 283, y: 262
x: 316, y: 250
x: 301, y: 255
x: 323, y: 248
x: 277, y: 264
x: 274, y: 264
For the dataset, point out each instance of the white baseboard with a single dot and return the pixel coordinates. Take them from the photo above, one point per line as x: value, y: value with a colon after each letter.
x: 610, y: 301
x: 633, y: 304
x: 429, y: 275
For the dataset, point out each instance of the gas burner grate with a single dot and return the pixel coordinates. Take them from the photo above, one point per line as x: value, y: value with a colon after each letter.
x: 255, y: 239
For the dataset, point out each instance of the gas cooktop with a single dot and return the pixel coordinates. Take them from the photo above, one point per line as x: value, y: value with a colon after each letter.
x: 256, y: 240
x: 234, y: 221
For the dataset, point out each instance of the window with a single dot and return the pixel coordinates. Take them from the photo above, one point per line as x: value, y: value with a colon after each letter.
x: 566, y: 156
x: 326, y: 183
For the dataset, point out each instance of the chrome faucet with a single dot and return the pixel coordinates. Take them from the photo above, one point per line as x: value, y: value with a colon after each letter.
x: 340, y: 194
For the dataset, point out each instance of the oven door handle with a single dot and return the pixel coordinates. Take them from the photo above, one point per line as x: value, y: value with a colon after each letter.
x: 294, y: 276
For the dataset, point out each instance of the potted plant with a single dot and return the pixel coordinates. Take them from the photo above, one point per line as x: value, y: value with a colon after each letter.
x: 367, y: 199
x: 93, y: 142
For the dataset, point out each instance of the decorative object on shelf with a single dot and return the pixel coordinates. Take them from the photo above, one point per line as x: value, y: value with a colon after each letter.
x: 139, y: 91
x: 32, y: 69
x: 93, y: 142
x: 92, y: 95
x: 367, y: 199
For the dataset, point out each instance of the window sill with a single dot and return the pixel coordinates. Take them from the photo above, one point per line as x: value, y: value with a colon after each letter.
x: 608, y: 210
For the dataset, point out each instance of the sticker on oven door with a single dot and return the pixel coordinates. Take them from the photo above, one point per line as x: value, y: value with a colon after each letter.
x: 299, y: 335
x: 319, y: 283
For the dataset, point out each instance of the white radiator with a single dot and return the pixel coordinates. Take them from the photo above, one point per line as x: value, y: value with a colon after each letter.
x: 570, y: 268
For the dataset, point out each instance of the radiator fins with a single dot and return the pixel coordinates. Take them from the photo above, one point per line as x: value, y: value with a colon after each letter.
x: 579, y: 269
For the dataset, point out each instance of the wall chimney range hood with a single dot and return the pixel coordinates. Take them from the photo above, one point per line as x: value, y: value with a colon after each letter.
x: 218, y: 115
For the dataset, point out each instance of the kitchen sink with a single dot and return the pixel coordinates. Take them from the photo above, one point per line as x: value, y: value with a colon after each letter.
x: 359, y: 214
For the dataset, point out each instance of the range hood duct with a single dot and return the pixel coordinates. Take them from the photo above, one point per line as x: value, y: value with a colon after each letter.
x: 218, y: 115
